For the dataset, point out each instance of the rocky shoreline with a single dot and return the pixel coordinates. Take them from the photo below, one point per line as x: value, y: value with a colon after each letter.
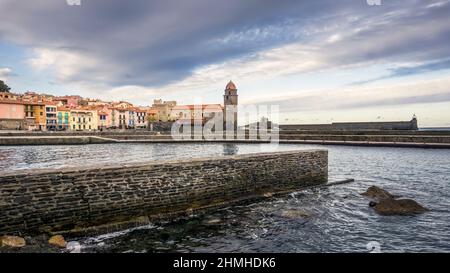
x: 383, y: 202
x: 30, y: 244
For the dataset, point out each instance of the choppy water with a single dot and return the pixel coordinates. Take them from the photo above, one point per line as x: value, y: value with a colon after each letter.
x: 340, y: 221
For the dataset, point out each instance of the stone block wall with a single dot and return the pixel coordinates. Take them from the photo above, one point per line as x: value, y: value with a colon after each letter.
x: 53, y: 200
x: 384, y: 126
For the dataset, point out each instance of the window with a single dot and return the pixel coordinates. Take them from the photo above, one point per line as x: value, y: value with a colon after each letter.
x: 89, y: 127
x: 74, y: 120
x: 84, y: 126
x: 41, y: 113
x: 74, y: 126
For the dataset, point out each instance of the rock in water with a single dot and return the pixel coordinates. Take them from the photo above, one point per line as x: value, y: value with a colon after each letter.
x: 57, y: 240
x: 12, y: 241
x: 293, y: 214
x: 214, y: 221
x: 377, y: 193
x: 268, y: 194
x: 74, y: 247
x: 399, y: 207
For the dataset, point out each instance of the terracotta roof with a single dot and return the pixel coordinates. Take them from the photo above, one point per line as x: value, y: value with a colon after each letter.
x: 11, y: 101
x: 62, y: 108
x: 33, y: 102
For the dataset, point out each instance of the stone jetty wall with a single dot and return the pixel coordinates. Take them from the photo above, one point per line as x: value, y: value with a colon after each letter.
x: 57, y: 200
x: 59, y: 140
x: 384, y: 126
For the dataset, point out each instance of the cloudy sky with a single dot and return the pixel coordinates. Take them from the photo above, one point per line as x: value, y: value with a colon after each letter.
x: 320, y: 61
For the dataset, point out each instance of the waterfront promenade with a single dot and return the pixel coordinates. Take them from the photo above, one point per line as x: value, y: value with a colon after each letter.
x: 410, y: 139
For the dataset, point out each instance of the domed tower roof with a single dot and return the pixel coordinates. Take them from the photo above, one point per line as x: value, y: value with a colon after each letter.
x: 231, y: 86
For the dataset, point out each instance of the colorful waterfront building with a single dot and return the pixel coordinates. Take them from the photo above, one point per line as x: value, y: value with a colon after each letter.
x: 164, y: 109
x: 12, y: 114
x: 104, y: 119
x: 63, y: 118
x: 141, y: 118
x: 83, y: 120
x: 119, y: 118
x: 51, y: 119
x: 34, y: 115
x: 39, y: 114
x: 131, y: 118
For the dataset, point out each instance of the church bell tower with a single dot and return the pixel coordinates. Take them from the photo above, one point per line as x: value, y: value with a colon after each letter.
x: 230, y: 103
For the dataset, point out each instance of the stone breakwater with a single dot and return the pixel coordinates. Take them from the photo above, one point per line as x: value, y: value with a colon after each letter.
x: 76, y: 199
x: 55, y: 140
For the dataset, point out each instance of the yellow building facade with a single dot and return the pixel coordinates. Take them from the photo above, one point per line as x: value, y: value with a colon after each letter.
x: 35, y: 115
x: 63, y: 116
x: 83, y: 120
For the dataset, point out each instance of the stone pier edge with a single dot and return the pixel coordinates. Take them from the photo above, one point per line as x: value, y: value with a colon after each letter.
x: 94, y: 199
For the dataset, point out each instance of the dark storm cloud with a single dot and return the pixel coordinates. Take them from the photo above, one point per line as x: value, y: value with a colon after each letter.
x: 152, y: 43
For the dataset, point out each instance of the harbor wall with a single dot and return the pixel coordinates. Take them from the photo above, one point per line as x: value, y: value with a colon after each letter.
x: 73, y: 199
x: 350, y: 138
x: 384, y: 126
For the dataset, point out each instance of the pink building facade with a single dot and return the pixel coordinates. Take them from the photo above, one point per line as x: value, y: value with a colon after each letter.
x: 120, y: 118
x: 11, y: 110
x: 12, y: 114
x: 104, y: 118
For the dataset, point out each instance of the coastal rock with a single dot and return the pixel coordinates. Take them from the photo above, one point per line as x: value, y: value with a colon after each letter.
x: 214, y: 221
x: 268, y: 194
x: 294, y: 214
x: 375, y: 192
x: 398, y: 207
x: 57, y: 240
x: 12, y: 241
x: 74, y: 247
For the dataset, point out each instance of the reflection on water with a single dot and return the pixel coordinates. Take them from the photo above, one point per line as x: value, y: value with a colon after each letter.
x: 340, y: 218
x: 37, y: 157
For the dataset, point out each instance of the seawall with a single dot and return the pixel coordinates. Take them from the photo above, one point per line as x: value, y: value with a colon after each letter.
x: 59, y: 140
x: 412, y: 141
x: 73, y: 199
x: 383, y: 125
